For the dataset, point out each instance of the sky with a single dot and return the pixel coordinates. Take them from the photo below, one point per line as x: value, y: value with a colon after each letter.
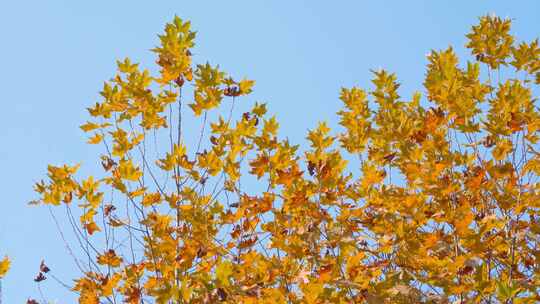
x: 55, y: 56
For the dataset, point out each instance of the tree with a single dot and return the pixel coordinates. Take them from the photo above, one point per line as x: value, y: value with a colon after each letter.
x: 442, y: 206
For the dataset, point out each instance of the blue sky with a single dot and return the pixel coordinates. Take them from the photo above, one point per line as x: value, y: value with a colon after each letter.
x: 55, y: 56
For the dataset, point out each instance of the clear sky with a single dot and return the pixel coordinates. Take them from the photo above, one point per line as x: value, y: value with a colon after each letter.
x: 55, y: 55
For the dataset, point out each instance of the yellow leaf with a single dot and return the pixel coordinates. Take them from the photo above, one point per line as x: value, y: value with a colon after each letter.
x: 372, y: 175
x: 137, y: 192
x: 185, y: 207
x: 462, y: 224
x: 502, y: 149
x: 89, y: 126
x: 128, y: 171
x: 223, y: 271
x: 151, y: 199
x: 246, y: 86
x: 312, y: 291
x: 96, y: 139
x: 4, y: 266
x: 108, y: 285
x: 109, y: 258
x: 88, y: 216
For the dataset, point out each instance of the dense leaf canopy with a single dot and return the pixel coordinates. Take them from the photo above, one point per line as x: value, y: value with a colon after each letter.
x: 432, y: 199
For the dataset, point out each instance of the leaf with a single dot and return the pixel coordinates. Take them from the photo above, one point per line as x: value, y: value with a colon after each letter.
x: 223, y: 272
x: 95, y: 139
x: 502, y: 149
x: 246, y: 86
x: 312, y: 291
x: 91, y: 227
x: 128, y: 171
x: 151, y: 199
x: 44, y: 268
x: 4, y: 266
x: 463, y: 222
x: 109, y: 258
x: 40, y: 277
x: 137, y: 192
x: 325, y: 272
x: 89, y: 126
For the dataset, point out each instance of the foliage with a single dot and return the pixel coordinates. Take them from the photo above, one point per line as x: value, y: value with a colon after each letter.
x: 429, y: 200
x: 4, y: 266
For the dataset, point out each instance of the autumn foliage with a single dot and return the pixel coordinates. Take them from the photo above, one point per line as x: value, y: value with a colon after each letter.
x: 4, y: 266
x: 432, y: 199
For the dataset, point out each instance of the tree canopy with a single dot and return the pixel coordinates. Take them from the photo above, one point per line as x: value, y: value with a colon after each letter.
x: 427, y: 199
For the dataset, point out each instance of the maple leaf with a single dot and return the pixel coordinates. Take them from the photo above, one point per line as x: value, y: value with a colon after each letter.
x: 109, y: 258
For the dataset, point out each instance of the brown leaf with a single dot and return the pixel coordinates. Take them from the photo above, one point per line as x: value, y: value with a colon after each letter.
x: 43, y: 268
x: 40, y: 277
